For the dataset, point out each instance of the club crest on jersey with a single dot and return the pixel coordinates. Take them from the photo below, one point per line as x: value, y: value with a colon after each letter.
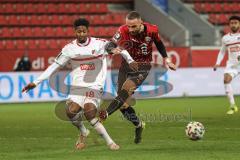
x: 148, y: 39
x: 87, y: 66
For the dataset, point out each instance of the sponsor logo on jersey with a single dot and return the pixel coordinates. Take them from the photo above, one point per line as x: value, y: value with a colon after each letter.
x: 234, y: 49
x: 87, y: 66
x: 148, y: 39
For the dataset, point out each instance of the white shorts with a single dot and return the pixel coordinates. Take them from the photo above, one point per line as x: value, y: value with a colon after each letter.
x: 86, y: 95
x: 232, y: 69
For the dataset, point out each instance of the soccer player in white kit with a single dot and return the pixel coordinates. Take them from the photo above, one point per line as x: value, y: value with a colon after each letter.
x: 87, y: 57
x: 231, y: 43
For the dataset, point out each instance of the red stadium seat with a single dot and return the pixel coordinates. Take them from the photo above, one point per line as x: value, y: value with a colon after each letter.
x: 217, y: 8
x: 51, y: 8
x: 24, y: 20
x: 6, y: 32
x: 198, y: 7
x: 69, y: 32
x: 4, y: 20
x: 58, y: 31
x: 119, y: 18
x: 208, y: 7
x: 21, y: 44
x: 53, y: 44
x: 28, y: 32
x: 2, y: 44
x: 41, y: 8
x: 92, y: 32
x: 10, y: 44
x: 29, y: 8
x: 97, y: 20
x: 44, y: 19
x: 228, y: 7
x: 58, y: 41
x: 102, y: 7
x: 212, y: 18
x: 20, y: 8
x: 18, y: 32
x: 63, y: 43
x: 31, y: 44
x: 64, y: 19
x: 83, y: 8
x: 55, y: 20
x: 48, y: 32
x: 236, y: 7
x: 9, y: 8
x: 92, y: 8
x: 38, y: 32
x: 13, y: 20
x: 61, y: 8
x: 43, y: 44
x: 34, y: 20
x: 2, y: 8
x: 223, y: 19
x: 71, y: 8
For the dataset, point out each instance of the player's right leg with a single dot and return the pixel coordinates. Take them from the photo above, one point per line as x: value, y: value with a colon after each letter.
x: 73, y: 112
x: 229, y: 92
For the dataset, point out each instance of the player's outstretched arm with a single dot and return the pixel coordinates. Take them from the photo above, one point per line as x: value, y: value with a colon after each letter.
x: 171, y: 65
x: 220, y: 57
x: 215, y: 67
x: 162, y: 50
x: 28, y: 87
x: 45, y: 75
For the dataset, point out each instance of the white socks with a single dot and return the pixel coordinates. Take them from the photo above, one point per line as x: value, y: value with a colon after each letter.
x: 229, y: 92
x: 96, y: 125
x: 101, y: 130
x: 79, y: 125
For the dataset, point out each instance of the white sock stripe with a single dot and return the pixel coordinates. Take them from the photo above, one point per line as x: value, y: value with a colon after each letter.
x: 229, y: 93
x: 94, y: 121
x: 75, y: 117
x: 103, y: 133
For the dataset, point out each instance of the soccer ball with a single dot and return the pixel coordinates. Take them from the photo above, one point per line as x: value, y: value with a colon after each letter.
x: 195, y: 130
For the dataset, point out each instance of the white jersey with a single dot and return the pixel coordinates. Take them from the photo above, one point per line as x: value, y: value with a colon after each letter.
x: 231, y: 43
x: 88, y: 62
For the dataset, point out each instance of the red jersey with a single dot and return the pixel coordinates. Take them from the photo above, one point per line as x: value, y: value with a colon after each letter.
x: 139, y: 46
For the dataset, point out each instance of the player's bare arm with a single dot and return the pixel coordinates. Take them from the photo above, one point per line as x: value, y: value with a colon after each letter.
x: 45, y: 75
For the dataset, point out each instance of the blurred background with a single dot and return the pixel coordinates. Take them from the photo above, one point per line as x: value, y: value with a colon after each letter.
x: 32, y: 33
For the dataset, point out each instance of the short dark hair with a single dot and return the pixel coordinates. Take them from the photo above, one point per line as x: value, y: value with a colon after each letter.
x: 234, y: 17
x: 81, y: 22
x: 133, y: 15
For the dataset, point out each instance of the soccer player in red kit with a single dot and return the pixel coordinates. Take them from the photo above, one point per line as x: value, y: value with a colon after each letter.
x: 137, y: 37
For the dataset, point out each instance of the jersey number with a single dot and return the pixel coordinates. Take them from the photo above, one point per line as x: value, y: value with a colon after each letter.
x: 90, y: 94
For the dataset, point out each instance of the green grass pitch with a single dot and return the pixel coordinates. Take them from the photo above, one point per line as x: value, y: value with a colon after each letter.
x: 32, y: 131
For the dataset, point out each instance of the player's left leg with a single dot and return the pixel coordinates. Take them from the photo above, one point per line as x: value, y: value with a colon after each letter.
x: 229, y: 92
x: 130, y: 114
x: 90, y: 112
